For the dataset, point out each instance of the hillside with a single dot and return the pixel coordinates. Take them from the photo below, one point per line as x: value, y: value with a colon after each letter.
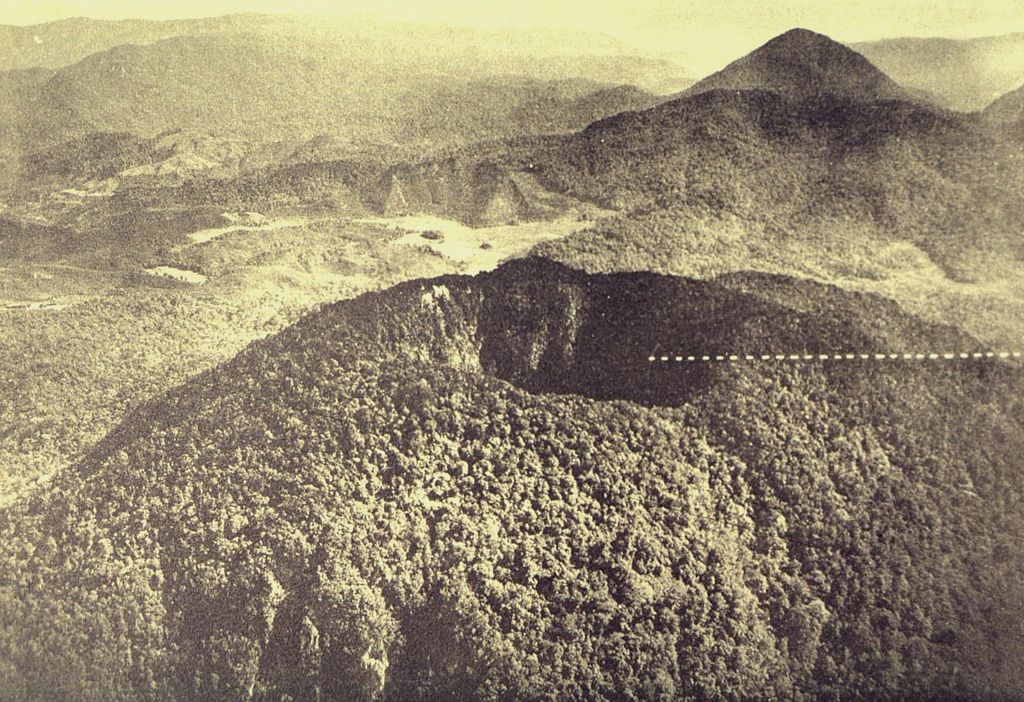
x: 88, y: 331
x: 364, y: 507
x: 1008, y: 110
x: 16, y: 89
x: 963, y: 74
x: 893, y: 171
x: 265, y: 89
x: 367, y: 81
x: 801, y: 64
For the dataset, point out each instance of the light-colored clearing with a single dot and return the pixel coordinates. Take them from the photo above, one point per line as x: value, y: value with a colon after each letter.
x: 177, y: 274
x: 205, y: 235
x: 465, y: 245
x: 35, y: 306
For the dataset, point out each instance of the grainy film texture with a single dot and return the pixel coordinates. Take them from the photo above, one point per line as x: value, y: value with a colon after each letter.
x: 567, y: 351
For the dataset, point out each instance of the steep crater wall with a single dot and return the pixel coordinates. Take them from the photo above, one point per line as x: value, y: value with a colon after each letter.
x: 547, y: 328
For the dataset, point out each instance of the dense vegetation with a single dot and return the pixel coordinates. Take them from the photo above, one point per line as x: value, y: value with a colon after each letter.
x: 891, y: 171
x: 801, y: 64
x: 480, y: 488
x: 114, y: 338
x: 904, y: 172
x: 262, y: 87
x: 362, y: 507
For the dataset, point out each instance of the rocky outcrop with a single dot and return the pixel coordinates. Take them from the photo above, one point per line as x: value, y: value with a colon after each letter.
x: 478, y: 194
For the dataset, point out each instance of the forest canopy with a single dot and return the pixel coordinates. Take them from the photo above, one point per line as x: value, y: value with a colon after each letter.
x: 371, y: 505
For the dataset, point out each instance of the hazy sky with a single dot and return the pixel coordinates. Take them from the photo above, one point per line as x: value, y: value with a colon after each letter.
x: 719, y: 27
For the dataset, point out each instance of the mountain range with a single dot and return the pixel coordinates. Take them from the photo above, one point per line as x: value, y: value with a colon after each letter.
x: 263, y: 90
x: 270, y: 78
x: 794, y: 148
x: 59, y: 44
x: 962, y: 74
x: 510, y: 485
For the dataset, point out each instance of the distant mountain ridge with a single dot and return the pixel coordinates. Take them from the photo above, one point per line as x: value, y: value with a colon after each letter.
x: 963, y: 74
x: 268, y: 79
x: 64, y: 42
x: 536, y: 52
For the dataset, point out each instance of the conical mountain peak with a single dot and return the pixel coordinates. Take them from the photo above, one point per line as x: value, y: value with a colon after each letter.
x: 803, y: 64
x: 799, y: 35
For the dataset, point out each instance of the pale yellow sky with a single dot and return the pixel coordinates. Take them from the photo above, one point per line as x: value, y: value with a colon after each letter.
x: 713, y: 28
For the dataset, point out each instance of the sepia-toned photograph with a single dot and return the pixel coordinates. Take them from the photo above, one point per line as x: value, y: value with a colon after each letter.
x: 515, y: 350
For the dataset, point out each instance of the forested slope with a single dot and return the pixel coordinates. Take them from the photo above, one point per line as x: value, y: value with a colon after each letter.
x: 802, y: 64
x: 365, y: 507
x: 277, y: 80
x: 800, y: 151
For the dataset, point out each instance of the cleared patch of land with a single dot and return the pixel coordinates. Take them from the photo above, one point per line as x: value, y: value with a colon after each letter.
x: 205, y: 235
x: 476, y: 249
x: 179, y: 274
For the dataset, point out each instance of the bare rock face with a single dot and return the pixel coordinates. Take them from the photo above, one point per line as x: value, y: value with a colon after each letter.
x: 479, y: 194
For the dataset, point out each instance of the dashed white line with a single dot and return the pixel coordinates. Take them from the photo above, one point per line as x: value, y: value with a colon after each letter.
x: 943, y: 356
